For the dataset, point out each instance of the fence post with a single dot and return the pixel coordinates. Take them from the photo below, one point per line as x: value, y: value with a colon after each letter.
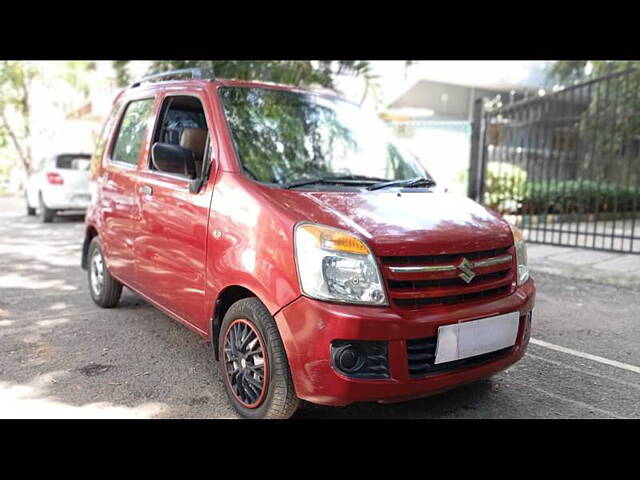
x: 476, y: 163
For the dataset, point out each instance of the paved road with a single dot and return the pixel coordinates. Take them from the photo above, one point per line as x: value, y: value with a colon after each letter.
x: 61, y: 356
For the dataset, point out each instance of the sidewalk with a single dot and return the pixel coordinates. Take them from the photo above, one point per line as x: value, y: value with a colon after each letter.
x: 612, y: 268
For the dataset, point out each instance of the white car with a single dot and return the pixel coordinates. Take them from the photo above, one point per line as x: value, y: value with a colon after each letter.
x: 60, y: 183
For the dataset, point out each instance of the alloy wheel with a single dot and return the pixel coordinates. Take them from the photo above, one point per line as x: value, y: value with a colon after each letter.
x: 245, y: 363
x: 97, y: 273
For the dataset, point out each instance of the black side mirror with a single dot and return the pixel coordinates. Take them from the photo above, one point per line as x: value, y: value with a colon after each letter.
x: 170, y: 158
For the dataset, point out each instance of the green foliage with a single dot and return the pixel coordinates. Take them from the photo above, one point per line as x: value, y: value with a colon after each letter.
x: 611, y: 119
x: 122, y: 76
x: 76, y: 75
x: 571, y: 71
x: 15, y: 78
x: 290, y: 72
x: 508, y: 192
x: 504, y: 186
x: 15, y: 108
x: 567, y: 70
x: 607, y: 131
x: 578, y: 196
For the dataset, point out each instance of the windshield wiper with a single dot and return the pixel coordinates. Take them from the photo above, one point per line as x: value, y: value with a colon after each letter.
x: 410, y: 183
x: 344, y: 180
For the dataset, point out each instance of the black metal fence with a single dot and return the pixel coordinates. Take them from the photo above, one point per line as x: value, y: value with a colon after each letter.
x: 565, y: 166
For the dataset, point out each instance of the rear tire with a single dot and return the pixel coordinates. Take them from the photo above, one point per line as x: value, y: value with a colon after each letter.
x: 31, y: 211
x: 46, y: 215
x: 275, y: 398
x: 104, y: 289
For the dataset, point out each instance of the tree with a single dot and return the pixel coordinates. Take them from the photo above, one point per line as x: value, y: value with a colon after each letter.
x: 15, y: 109
x: 291, y: 72
x: 568, y: 70
x: 77, y: 75
x: 122, y: 76
x: 571, y: 71
x: 609, y: 126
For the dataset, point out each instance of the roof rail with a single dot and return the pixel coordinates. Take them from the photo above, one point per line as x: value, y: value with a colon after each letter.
x: 194, y: 72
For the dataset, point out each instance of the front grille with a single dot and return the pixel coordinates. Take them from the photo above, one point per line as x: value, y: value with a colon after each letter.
x: 447, y: 258
x: 438, y: 283
x: 425, y: 281
x: 451, y: 299
x: 421, y: 355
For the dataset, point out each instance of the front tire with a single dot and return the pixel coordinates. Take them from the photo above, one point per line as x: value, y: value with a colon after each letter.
x: 104, y: 289
x: 253, y: 363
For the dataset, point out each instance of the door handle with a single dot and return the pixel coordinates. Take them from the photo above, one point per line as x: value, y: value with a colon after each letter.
x: 105, y: 179
x: 147, y: 190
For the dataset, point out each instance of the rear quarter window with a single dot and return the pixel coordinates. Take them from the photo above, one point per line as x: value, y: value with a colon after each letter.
x: 96, y: 159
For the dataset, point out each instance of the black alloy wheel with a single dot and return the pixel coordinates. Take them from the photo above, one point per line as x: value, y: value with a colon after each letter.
x: 245, y: 363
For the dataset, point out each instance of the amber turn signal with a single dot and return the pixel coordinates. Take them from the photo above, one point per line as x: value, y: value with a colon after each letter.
x: 335, y: 240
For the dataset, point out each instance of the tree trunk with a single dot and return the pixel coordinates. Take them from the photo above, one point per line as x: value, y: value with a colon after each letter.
x: 23, y: 154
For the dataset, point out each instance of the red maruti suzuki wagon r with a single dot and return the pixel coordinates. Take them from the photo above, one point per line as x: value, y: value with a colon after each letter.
x: 320, y: 260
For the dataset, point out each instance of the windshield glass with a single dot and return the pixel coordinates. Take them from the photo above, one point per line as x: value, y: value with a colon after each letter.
x: 284, y: 137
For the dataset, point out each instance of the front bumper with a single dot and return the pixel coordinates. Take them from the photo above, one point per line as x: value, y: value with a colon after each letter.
x: 309, y: 326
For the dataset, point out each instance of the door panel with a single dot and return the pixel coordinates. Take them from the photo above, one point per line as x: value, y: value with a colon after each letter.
x: 120, y: 215
x: 170, y: 247
x: 171, y: 238
x: 118, y: 185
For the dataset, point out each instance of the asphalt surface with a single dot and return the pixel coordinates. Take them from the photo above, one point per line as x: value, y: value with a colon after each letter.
x: 61, y: 356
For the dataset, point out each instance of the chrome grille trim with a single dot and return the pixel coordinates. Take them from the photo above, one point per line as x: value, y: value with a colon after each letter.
x: 445, y: 268
x: 492, y: 261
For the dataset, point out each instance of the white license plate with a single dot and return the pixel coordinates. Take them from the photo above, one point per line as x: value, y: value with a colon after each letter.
x: 468, y: 339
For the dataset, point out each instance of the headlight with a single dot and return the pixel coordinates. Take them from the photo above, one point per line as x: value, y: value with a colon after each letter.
x: 335, y: 265
x: 521, y: 255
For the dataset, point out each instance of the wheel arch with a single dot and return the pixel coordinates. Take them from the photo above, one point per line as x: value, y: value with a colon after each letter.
x: 90, y: 232
x: 227, y: 297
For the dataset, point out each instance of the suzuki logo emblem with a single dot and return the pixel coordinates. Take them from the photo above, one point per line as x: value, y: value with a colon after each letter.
x: 466, y: 270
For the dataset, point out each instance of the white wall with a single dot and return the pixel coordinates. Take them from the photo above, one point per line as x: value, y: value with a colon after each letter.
x: 442, y: 147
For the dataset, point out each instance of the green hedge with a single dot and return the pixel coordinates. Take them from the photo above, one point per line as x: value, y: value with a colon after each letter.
x: 508, y: 191
x: 505, y: 184
x: 578, y: 196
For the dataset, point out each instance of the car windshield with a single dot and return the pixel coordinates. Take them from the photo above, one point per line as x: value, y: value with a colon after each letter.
x: 283, y: 137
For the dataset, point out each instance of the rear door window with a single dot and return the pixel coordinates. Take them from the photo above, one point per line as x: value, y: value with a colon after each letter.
x: 132, y: 131
x: 73, y: 162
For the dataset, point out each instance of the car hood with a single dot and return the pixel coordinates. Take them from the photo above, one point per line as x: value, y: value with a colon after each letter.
x: 404, y: 223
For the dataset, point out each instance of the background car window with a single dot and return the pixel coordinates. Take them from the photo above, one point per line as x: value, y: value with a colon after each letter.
x: 132, y: 129
x: 73, y: 162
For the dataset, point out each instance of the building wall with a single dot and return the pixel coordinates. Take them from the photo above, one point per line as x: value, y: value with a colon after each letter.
x: 445, y: 100
x: 449, y: 102
x: 441, y: 146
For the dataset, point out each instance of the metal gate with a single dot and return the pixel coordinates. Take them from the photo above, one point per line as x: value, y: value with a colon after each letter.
x: 565, y: 166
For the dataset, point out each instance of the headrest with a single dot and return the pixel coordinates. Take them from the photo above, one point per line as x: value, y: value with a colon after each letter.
x: 195, y: 140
